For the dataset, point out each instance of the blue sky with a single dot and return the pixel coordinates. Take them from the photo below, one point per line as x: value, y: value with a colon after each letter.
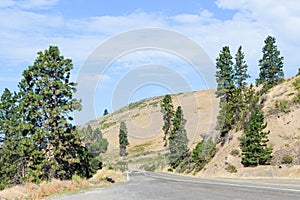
x: 78, y: 27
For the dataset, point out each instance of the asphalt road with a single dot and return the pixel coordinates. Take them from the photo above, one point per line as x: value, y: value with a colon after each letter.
x: 143, y: 186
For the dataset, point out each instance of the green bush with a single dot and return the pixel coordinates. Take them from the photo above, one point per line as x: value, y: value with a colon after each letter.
x: 170, y: 170
x: 234, y: 152
x: 282, y: 106
x: 231, y: 169
x: 122, y: 166
x: 76, y: 178
x: 150, y: 168
x: 287, y: 159
x: 296, y: 84
x: 203, y: 153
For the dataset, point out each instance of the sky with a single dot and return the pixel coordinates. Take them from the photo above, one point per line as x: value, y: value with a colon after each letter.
x: 80, y: 27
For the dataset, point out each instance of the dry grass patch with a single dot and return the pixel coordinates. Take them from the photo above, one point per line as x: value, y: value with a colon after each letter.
x: 46, y: 189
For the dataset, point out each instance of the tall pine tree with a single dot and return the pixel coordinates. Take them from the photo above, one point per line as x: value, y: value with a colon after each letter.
x: 254, y: 141
x: 226, y: 91
x: 167, y: 110
x: 271, y: 65
x: 240, y: 69
x: 240, y: 77
x: 39, y: 140
x: 178, y: 141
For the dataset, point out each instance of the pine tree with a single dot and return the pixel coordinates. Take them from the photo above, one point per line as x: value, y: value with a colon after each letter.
x: 240, y: 69
x: 105, y: 112
x: 123, y: 140
x: 240, y: 77
x: 178, y: 141
x: 17, y: 148
x: 47, y: 102
x: 254, y: 141
x: 271, y: 65
x: 11, y: 156
x: 226, y: 91
x: 167, y: 110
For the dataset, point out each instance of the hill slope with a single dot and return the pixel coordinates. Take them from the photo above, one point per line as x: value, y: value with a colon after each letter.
x: 144, y: 123
x: 144, y: 119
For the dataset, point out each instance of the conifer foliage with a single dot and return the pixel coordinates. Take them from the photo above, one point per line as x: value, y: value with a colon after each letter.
x: 123, y: 140
x: 167, y: 110
x: 232, y: 90
x: 225, y: 91
x: 254, y: 141
x: 271, y: 65
x: 36, y: 122
x: 178, y: 141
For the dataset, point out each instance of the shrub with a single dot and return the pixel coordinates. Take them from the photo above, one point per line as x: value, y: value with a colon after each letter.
x: 234, y: 152
x: 150, y: 168
x: 282, y: 106
x: 231, y: 169
x: 122, y: 166
x: 287, y: 159
x: 76, y: 178
x: 296, y: 84
x: 170, y: 170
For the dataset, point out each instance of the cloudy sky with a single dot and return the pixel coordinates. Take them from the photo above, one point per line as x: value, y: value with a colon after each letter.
x: 79, y: 27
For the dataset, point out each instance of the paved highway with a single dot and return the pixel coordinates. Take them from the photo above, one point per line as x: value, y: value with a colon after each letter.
x: 143, y: 186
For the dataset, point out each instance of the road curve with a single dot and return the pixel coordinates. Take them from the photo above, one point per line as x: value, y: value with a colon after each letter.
x: 169, y: 186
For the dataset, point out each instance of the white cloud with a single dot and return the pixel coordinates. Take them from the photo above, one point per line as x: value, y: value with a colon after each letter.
x: 282, y: 17
x: 36, y: 4
x: 7, y: 3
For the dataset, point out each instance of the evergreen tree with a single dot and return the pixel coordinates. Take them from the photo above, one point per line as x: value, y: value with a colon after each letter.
x: 93, y: 140
x: 226, y: 91
x: 254, y: 141
x: 203, y: 153
x: 178, y: 141
x: 39, y: 142
x: 167, y: 110
x: 123, y: 140
x: 240, y: 77
x: 271, y: 65
x: 105, y: 112
x: 12, y: 162
x: 240, y: 69
x: 47, y: 102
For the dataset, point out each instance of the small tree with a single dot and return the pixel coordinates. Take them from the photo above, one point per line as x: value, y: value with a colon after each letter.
x: 178, y: 141
x: 203, y: 153
x: 254, y: 141
x: 99, y: 144
x: 167, y: 110
x: 271, y: 65
x: 105, y: 112
x: 123, y: 140
x: 94, y: 140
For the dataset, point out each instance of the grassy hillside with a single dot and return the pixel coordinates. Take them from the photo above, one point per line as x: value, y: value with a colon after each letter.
x: 282, y: 114
x: 146, y: 150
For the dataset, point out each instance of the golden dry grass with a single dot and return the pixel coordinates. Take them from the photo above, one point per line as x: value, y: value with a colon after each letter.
x: 54, y: 187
